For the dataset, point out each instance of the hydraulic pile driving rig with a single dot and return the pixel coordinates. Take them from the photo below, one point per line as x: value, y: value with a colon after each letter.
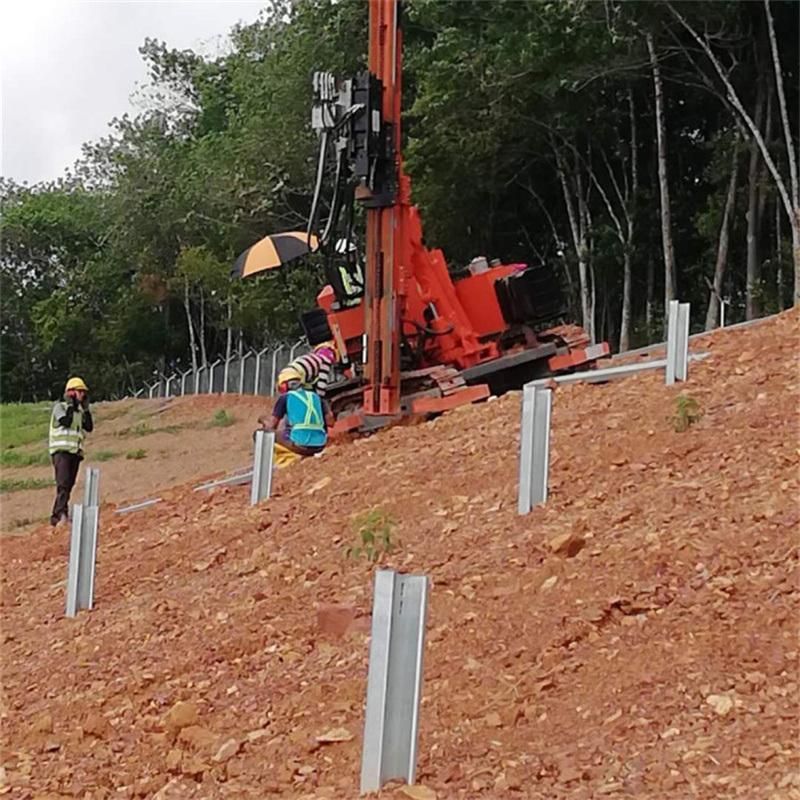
x: 416, y: 339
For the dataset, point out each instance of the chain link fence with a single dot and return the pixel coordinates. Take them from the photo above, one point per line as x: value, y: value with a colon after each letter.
x: 254, y: 372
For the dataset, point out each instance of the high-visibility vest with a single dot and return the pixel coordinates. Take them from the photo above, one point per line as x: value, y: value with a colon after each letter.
x: 305, y: 418
x: 66, y: 440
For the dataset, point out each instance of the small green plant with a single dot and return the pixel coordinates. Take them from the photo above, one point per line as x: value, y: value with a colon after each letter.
x: 374, y: 531
x: 103, y: 455
x: 23, y: 484
x: 136, y: 455
x: 222, y: 419
x: 687, y: 412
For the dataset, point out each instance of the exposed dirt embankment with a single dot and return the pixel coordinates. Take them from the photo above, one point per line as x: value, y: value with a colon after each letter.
x: 636, y: 637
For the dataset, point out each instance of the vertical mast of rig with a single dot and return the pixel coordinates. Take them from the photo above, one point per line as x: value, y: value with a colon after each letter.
x: 385, y: 201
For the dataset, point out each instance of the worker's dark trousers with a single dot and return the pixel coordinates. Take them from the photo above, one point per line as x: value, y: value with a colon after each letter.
x: 66, y: 466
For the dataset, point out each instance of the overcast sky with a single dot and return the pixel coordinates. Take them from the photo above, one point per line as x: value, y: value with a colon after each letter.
x: 68, y: 67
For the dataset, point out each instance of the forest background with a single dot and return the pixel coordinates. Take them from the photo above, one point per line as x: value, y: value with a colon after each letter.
x: 643, y: 150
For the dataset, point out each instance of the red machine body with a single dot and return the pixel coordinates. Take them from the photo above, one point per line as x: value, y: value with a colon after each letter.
x: 410, y: 297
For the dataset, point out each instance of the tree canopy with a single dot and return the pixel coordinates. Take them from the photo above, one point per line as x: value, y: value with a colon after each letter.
x: 641, y: 150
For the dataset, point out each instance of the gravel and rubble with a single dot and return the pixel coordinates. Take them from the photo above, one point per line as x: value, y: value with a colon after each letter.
x: 636, y: 637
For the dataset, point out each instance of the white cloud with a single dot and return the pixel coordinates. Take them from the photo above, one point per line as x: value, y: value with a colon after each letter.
x: 67, y: 68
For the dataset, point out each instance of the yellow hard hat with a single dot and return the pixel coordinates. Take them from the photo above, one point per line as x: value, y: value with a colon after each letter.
x: 289, y: 374
x: 76, y: 383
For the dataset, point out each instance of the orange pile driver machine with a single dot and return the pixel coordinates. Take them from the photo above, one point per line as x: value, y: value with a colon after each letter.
x: 417, y: 340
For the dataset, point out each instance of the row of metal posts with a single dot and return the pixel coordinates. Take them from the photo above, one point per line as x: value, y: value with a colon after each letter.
x: 394, y: 682
x: 537, y: 402
x: 252, y: 373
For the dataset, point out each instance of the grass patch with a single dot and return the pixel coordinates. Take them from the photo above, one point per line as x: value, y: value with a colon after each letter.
x: 23, y: 423
x: 104, y: 455
x: 24, y: 522
x: 23, y: 484
x: 15, y: 458
x: 143, y: 429
x: 136, y: 455
x: 222, y: 419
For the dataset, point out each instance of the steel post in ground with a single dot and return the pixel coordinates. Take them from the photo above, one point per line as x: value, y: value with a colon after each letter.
x: 261, y: 484
x: 722, y: 305
x: 91, y: 487
x: 82, y: 559
x: 242, y: 365
x: 150, y: 390
x: 672, y: 341
x: 534, y: 459
x: 677, y: 342
x: 682, y: 353
x: 394, y: 681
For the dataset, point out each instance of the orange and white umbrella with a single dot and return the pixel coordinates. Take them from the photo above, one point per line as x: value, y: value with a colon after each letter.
x: 272, y: 252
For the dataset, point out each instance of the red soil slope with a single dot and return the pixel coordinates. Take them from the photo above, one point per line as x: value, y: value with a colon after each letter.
x: 653, y: 655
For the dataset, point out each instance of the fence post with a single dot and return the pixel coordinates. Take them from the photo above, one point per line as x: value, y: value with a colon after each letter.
x: 274, y: 369
x: 534, y: 459
x: 242, y: 364
x: 257, y: 389
x: 261, y: 482
x: 184, y: 376
x: 394, y: 681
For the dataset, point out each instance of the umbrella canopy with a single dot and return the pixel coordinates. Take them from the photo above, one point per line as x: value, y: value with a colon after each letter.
x: 272, y: 252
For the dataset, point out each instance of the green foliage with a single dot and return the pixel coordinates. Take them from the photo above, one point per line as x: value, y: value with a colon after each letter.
x: 104, y: 455
x: 23, y: 484
x: 222, y: 419
x: 23, y: 423
x: 144, y: 429
x: 687, y: 412
x: 113, y: 272
x: 136, y: 455
x: 373, y: 530
x: 12, y: 457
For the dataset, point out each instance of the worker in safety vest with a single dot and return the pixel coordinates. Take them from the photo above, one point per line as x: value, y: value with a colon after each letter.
x: 351, y: 275
x: 69, y: 422
x: 299, y: 418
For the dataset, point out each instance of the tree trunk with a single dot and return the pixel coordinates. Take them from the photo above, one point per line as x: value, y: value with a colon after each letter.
x: 666, y: 222
x: 576, y: 226
x: 651, y: 293
x: 778, y: 257
x: 794, y: 182
x: 203, y: 353
x: 625, y: 321
x: 753, y: 286
x: 712, y: 315
x: 791, y: 203
x: 229, y: 334
x: 188, y: 308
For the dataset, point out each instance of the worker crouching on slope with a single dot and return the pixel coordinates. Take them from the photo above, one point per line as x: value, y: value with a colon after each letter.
x: 69, y: 422
x: 299, y: 418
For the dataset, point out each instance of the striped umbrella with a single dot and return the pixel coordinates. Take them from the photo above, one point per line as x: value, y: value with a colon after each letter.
x: 272, y: 252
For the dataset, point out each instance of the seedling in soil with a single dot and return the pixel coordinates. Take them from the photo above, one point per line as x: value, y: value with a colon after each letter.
x: 687, y: 412
x: 374, y: 531
x: 222, y: 419
x: 136, y: 455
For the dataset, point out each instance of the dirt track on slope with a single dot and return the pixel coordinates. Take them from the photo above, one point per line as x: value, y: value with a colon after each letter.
x: 653, y: 654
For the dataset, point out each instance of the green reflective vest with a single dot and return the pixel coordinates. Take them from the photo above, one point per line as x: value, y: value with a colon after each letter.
x: 66, y: 440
